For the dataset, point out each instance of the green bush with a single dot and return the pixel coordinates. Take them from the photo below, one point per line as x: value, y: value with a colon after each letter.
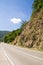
x: 12, y: 35
x: 37, y: 5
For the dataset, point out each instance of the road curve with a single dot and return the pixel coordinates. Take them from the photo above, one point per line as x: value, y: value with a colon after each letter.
x: 13, y: 55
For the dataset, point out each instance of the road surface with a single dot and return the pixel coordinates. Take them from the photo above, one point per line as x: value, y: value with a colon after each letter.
x: 13, y: 55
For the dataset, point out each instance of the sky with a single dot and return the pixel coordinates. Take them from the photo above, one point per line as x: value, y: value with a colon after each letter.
x: 13, y: 12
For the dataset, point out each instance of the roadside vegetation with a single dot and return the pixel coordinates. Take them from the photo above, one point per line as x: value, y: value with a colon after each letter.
x: 12, y: 35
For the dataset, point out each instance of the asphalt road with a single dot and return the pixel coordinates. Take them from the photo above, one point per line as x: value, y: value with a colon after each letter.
x: 13, y: 55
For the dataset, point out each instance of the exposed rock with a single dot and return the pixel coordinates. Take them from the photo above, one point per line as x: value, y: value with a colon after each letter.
x: 32, y: 34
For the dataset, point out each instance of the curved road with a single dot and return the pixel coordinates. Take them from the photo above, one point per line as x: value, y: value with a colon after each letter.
x: 13, y: 55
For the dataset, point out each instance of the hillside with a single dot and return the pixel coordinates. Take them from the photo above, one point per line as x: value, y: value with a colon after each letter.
x: 2, y: 34
x: 32, y: 34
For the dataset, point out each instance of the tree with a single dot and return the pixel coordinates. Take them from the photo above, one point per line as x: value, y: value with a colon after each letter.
x: 37, y: 4
x: 23, y: 25
x: 12, y: 35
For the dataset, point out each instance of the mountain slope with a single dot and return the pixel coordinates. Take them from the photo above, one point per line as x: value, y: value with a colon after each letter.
x: 32, y: 34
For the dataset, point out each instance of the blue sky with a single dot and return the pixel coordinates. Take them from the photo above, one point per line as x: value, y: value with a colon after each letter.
x: 12, y: 12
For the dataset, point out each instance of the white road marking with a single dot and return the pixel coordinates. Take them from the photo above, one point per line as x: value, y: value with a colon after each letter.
x: 8, y: 57
x: 24, y: 54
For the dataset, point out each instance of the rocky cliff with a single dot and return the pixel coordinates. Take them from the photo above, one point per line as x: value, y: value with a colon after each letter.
x: 32, y: 34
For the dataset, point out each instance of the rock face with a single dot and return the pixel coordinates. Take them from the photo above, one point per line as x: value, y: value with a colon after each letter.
x: 32, y: 34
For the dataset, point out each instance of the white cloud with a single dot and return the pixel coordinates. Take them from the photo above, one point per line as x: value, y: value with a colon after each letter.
x: 15, y: 20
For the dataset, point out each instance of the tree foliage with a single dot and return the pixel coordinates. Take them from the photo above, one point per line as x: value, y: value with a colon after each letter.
x: 12, y: 35
x: 37, y: 5
x: 23, y: 25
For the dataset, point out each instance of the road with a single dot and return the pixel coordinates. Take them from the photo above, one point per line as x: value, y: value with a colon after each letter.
x: 13, y: 55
